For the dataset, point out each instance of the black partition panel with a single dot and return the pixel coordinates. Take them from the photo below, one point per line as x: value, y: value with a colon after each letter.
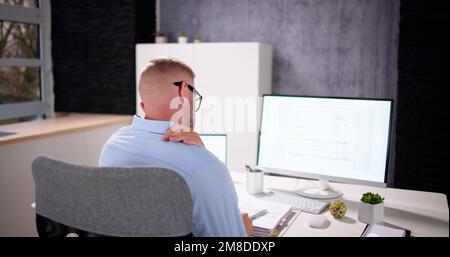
x: 422, y: 124
x: 93, y: 48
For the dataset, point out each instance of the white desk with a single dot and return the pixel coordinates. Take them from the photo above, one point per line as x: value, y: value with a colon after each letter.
x: 425, y: 214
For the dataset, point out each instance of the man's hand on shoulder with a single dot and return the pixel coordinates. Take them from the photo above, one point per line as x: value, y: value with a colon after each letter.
x: 189, y: 138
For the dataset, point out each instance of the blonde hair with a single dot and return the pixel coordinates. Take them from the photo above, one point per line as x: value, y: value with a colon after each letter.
x: 169, y: 64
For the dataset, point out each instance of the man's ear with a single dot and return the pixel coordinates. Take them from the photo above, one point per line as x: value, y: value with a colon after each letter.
x: 142, y: 106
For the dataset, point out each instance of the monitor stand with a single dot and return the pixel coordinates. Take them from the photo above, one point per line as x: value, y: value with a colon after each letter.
x: 322, y: 191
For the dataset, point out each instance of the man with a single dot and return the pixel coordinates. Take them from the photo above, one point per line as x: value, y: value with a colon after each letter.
x: 164, y: 138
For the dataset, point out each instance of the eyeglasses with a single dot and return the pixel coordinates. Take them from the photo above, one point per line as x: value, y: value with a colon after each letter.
x: 197, y: 96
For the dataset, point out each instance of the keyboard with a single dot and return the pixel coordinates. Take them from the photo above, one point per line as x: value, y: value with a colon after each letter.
x: 298, y: 202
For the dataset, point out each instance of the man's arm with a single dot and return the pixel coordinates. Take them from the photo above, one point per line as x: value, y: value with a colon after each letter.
x: 216, y: 211
x: 192, y: 138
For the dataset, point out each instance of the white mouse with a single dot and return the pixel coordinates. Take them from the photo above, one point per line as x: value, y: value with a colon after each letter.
x: 317, y: 221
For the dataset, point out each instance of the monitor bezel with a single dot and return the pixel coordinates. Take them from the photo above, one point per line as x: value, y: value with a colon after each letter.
x: 302, y: 174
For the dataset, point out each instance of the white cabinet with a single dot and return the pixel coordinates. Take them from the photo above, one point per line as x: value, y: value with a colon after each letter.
x: 231, y: 77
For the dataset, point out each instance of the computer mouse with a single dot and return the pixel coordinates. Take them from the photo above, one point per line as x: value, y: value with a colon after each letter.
x: 317, y: 221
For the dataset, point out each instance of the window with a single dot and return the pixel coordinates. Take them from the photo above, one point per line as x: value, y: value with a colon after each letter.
x: 24, y: 58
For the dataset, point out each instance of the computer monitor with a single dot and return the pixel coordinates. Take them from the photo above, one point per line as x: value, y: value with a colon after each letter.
x: 330, y: 139
x: 216, y: 144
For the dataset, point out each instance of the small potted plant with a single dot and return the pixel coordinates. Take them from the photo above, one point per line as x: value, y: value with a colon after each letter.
x: 371, y: 208
x: 160, y: 38
x: 197, y: 39
x: 182, y: 39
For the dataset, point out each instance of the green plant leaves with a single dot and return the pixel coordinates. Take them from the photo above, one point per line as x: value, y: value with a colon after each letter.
x: 372, y: 198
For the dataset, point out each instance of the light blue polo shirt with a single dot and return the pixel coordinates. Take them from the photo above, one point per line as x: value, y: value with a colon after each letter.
x: 215, y: 203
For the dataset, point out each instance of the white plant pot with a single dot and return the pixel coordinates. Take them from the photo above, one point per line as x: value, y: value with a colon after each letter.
x: 370, y: 213
x: 197, y: 41
x: 182, y: 40
x: 160, y: 40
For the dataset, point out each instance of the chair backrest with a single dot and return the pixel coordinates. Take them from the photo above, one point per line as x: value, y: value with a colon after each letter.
x: 111, y: 201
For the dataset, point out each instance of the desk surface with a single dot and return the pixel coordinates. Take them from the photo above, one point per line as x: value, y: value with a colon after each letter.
x: 71, y: 123
x: 425, y: 214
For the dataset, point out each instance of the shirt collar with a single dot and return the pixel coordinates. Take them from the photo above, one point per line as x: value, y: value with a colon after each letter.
x: 154, y: 126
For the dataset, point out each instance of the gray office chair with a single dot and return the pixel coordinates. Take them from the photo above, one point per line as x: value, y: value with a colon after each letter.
x: 110, y: 201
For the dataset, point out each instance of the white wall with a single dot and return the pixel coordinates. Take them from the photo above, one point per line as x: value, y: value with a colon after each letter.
x: 17, y: 218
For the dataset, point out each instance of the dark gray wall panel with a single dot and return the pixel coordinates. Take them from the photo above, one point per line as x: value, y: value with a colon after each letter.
x: 321, y: 47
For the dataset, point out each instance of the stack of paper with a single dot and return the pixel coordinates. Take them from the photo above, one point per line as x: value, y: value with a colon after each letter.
x: 273, y: 222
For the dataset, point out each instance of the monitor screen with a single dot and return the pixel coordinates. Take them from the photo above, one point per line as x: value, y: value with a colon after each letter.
x: 217, y: 145
x: 337, y: 137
